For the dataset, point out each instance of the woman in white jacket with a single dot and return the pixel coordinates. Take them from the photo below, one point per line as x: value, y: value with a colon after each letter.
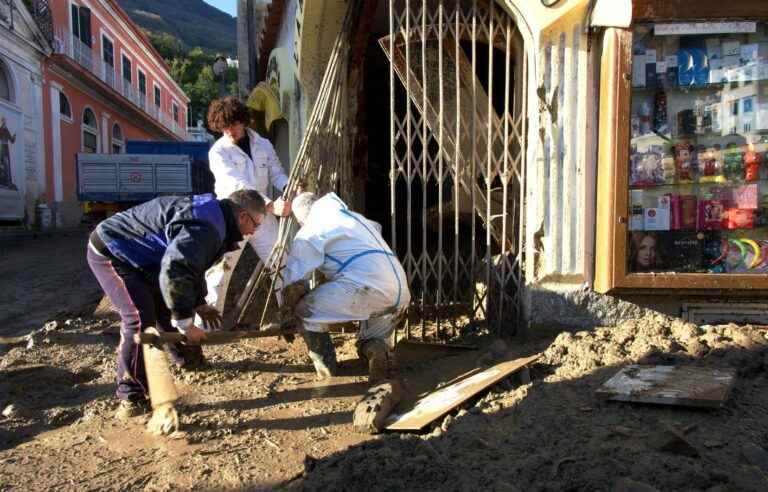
x: 242, y: 159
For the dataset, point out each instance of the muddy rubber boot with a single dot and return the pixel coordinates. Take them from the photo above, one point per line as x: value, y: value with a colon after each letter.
x: 131, y: 408
x: 321, y: 352
x: 189, y: 357
x: 376, y: 353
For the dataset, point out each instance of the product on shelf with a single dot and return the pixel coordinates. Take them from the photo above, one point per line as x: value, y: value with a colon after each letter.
x: 738, y: 218
x: 657, y: 218
x: 645, y: 118
x: 711, y: 165
x: 646, y: 169
x: 686, y: 122
x: 636, y: 210
x: 744, y: 196
x: 752, y: 161
x: 660, y: 123
x: 682, y: 252
x: 710, y: 215
x: 733, y: 161
x: 688, y: 212
x: 683, y: 165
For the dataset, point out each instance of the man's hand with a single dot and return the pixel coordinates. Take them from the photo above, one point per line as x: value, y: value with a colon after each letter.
x: 210, y: 316
x: 281, y: 208
x: 195, y: 335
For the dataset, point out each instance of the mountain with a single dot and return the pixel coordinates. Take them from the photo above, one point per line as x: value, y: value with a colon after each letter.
x: 193, y: 22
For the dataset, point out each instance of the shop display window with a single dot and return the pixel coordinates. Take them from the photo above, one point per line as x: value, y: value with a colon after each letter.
x: 698, y: 169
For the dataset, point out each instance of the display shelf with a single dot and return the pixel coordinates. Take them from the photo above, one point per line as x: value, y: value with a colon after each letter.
x: 713, y: 86
x: 695, y: 185
x: 624, y: 107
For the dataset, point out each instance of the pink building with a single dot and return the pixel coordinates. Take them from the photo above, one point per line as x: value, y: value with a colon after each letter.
x: 103, y: 84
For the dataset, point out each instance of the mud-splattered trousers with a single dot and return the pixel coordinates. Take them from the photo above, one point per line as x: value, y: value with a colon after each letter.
x: 366, y: 282
x: 140, y: 305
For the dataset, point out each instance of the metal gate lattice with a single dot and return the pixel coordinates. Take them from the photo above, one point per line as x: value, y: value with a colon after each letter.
x: 457, y: 129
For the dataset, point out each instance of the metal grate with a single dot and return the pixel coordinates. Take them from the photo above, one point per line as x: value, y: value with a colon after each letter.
x: 458, y: 126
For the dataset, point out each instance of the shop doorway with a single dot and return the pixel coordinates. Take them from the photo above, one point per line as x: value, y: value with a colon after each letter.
x: 451, y: 149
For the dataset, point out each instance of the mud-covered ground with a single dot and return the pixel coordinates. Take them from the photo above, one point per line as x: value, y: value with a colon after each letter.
x: 255, y: 418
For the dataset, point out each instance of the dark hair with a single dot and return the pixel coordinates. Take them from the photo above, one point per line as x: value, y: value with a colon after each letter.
x: 249, y: 200
x: 225, y: 112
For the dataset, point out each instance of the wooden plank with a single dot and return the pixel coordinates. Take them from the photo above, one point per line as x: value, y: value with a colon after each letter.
x: 442, y: 401
x: 670, y: 385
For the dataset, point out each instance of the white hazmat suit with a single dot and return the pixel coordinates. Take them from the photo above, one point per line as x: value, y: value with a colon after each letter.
x: 234, y: 170
x: 365, y: 279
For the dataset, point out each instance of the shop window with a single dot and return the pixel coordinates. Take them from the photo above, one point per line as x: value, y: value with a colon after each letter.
x: 6, y: 88
x: 698, y: 181
x: 65, y: 110
x: 118, y: 143
x: 90, y: 132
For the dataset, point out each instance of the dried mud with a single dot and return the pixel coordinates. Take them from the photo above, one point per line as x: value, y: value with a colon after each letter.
x: 554, y: 434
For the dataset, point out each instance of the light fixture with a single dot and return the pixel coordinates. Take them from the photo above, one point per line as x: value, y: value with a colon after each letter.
x: 220, y: 66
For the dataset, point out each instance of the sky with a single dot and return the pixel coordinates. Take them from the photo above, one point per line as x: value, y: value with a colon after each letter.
x: 228, y: 6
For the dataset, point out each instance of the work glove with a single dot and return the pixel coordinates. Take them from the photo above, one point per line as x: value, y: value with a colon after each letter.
x: 210, y: 316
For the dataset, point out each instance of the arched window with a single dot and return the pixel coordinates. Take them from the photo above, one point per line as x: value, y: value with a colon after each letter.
x: 64, y: 108
x: 118, y: 144
x: 6, y: 86
x: 90, y: 132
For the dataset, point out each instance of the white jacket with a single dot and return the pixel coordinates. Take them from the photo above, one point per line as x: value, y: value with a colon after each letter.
x: 346, y: 246
x: 234, y: 171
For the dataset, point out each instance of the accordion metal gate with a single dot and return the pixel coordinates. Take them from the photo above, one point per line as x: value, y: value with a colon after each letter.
x: 457, y: 178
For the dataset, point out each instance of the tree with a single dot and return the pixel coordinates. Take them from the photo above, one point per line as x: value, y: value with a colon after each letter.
x: 192, y: 69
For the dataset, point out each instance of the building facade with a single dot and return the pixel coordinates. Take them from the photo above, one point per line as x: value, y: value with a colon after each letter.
x: 103, y: 84
x: 587, y: 162
x: 23, y: 46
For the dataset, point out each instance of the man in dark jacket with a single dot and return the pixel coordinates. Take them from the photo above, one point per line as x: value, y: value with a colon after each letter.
x: 151, y: 260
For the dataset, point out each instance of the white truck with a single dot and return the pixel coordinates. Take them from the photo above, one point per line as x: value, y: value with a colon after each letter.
x: 112, y: 182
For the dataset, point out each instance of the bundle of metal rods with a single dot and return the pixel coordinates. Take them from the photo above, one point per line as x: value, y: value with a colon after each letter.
x: 323, y: 161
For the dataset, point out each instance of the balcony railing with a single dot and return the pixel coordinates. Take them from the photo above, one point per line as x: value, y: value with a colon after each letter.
x: 67, y: 44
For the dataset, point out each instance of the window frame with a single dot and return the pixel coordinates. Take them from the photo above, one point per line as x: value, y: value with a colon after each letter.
x: 66, y: 117
x: 611, y: 238
x: 105, y: 36
x: 10, y: 80
x: 123, y: 58
x: 92, y: 130
x: 119, y: 142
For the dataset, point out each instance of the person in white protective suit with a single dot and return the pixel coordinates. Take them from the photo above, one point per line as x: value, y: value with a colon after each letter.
x: 242, y: 159
x: 365, y: 282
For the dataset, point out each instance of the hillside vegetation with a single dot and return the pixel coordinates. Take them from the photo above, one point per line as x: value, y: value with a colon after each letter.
x: 192, y: 22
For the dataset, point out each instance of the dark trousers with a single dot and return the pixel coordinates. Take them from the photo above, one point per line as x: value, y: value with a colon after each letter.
x: 140, y: 305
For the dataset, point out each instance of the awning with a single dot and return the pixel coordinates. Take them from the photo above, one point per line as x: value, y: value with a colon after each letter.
x: 264, y: 100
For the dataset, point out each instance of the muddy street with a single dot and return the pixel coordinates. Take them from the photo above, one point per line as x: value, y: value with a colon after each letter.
x: 256, y: 418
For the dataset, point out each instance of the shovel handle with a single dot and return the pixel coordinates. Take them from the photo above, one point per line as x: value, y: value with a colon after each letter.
x: 213, y: 337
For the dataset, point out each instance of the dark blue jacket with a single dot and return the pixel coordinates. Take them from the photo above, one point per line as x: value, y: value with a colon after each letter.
x: 173, y: 241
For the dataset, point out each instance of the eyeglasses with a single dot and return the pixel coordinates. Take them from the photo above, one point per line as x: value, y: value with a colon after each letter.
x: 253, y: 221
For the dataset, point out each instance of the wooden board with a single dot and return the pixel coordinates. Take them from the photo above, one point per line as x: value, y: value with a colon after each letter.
x: 670, y: 385
x: 442, y: 401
